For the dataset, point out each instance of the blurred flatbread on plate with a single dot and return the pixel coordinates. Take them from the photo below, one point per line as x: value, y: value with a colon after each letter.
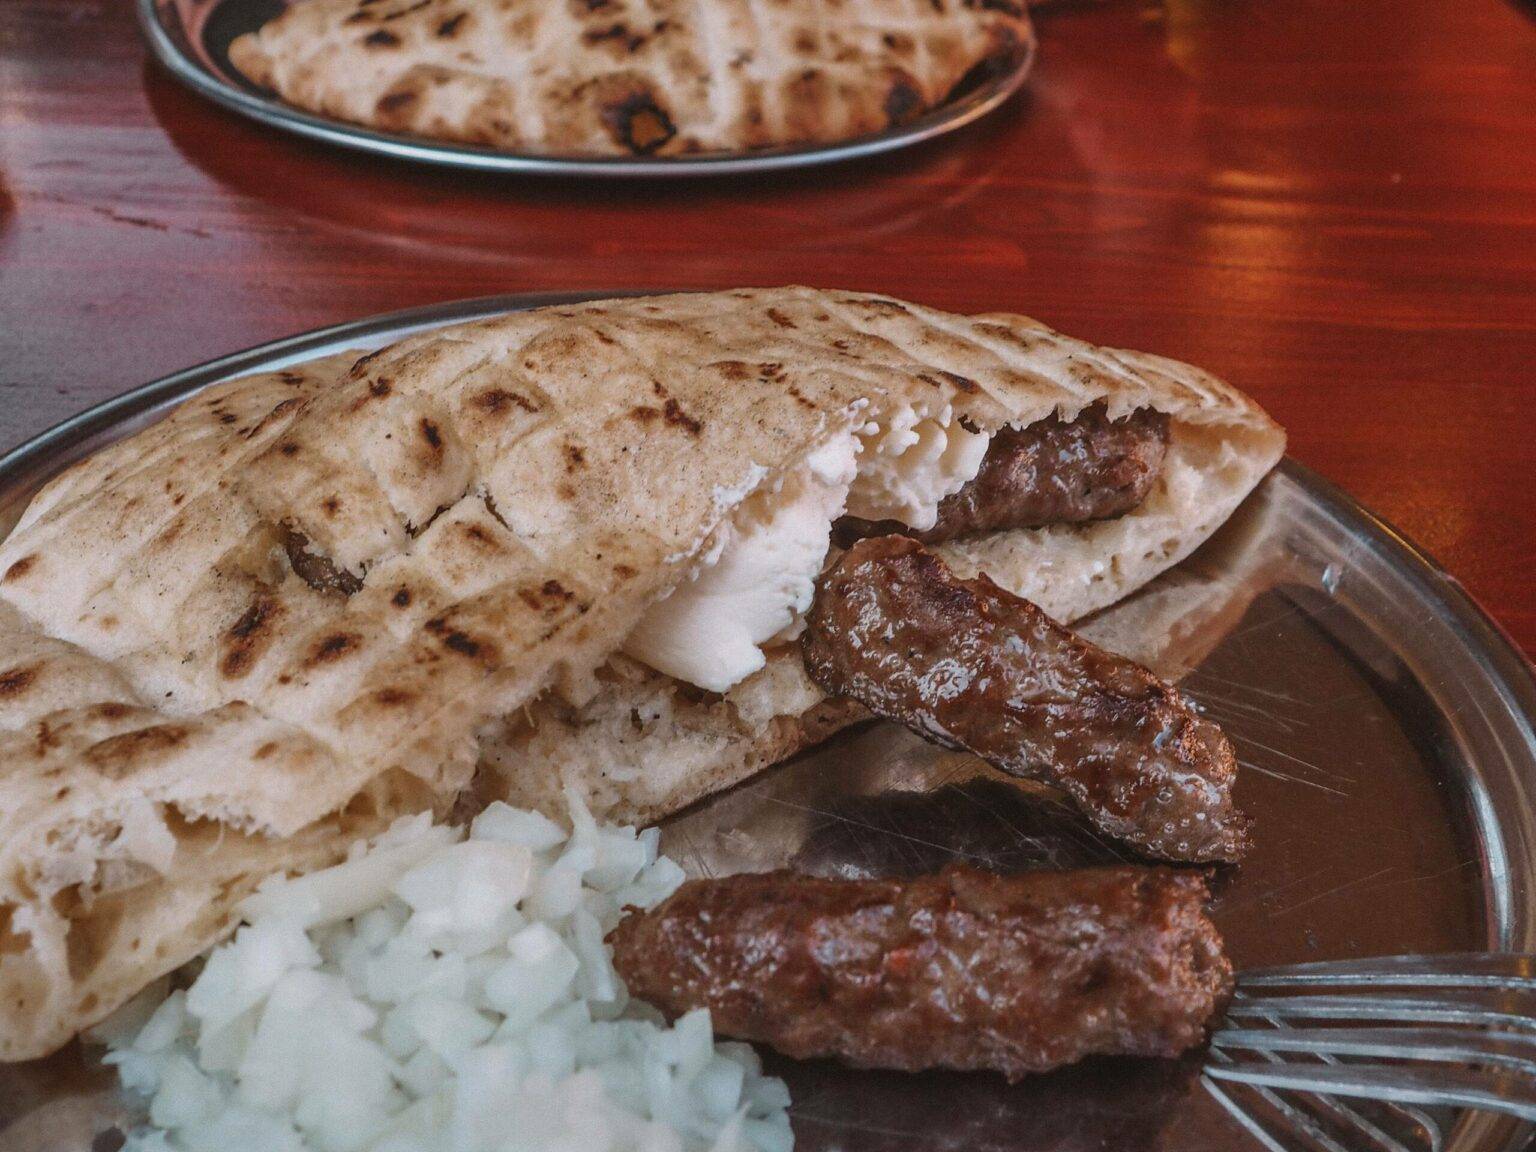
x: 631, y: 77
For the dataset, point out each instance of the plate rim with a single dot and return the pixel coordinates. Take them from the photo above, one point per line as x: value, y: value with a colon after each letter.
x: 1492, y: 647
x: 274, y: 113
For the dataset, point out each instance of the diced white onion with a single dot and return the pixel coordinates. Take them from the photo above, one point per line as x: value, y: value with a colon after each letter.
x: 437, y: 993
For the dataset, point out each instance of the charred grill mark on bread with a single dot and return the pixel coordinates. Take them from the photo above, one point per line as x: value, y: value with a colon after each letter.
x: 314, y: 568
x: 639, y: 123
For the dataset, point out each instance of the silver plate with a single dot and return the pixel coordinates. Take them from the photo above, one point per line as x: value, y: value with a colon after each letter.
x: 192, y: 37
x: 1384, y: 724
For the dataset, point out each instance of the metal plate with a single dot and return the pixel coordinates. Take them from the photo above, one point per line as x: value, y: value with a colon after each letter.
x: 1384, y: 724
x: 192, y: 37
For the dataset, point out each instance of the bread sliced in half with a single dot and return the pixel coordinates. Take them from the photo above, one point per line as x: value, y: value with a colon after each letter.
x: 314, y: 600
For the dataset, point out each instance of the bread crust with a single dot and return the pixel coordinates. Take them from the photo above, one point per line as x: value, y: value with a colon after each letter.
x: 631, y: 77
x: 289, y: 612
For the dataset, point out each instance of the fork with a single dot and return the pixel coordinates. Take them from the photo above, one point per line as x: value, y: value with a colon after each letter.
x: 1378, y: 1052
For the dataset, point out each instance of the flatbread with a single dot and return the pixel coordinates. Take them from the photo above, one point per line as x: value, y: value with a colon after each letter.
x: 630, y: 77
x: 646, y: 745
x: 293, y: 610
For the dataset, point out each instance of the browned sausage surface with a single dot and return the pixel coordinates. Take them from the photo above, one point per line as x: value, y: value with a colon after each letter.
x: 1052, y: 472
x: 973, y: 667
x: 964, y: 969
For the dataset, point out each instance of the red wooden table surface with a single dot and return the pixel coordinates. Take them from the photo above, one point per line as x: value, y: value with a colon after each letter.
x: 1330, y: 202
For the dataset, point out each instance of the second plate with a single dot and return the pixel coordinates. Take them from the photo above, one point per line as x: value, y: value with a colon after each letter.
x: 192, y: 37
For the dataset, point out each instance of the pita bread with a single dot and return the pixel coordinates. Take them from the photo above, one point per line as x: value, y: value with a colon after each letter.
x: 646, y: 745
x: 630, y: 77
x: 291, y: 611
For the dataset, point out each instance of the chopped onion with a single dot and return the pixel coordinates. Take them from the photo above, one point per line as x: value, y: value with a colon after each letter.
x: 443, y: 993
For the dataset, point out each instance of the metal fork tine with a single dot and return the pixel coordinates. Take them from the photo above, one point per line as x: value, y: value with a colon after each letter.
x: 1504, y: 971
x: 1342, y: 1114
x: 1300, y: 1120
x: 1402, y: 1083
x: 1409, y: 1009
x: 1296, y: 1119
x: 1516, y: 1053
x: 1420, y: 1121
x: 1240, y: 1114
x: 1465, y: 1037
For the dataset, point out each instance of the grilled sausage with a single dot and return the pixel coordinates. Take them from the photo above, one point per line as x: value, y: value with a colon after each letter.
x: 974, y: 667
x: 1051, y: 472
x: 964, y: 970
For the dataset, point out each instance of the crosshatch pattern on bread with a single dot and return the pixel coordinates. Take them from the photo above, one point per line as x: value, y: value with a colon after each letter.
x: 313, y: 600
x: 632, y: 77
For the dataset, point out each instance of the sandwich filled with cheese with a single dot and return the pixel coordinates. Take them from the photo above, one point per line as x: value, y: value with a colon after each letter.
x: 581, y: 547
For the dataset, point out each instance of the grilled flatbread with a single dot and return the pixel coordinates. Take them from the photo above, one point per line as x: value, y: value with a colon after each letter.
x: 311, y: 601
x: 631, y: 77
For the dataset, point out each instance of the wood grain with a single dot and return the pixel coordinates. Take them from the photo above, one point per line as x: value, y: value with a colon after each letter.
x: 1332, y: 204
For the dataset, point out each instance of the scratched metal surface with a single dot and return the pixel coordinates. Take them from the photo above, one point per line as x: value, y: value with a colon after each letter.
x: 1383, y: 724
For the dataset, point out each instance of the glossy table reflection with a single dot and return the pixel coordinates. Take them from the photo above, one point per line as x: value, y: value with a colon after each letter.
x: 1332, y: 204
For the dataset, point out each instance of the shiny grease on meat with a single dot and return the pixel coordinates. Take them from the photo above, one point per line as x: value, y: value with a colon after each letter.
x: 1052, y: 472
x: 974, y: 667
x: 962, y: 970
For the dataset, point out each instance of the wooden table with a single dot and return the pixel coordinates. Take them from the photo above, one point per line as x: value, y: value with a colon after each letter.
x: 1330, y: 202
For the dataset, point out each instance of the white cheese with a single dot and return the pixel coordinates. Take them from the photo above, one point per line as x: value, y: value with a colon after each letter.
x: 709, y: 632
x: 756, y: 582
x: 911, y: 464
